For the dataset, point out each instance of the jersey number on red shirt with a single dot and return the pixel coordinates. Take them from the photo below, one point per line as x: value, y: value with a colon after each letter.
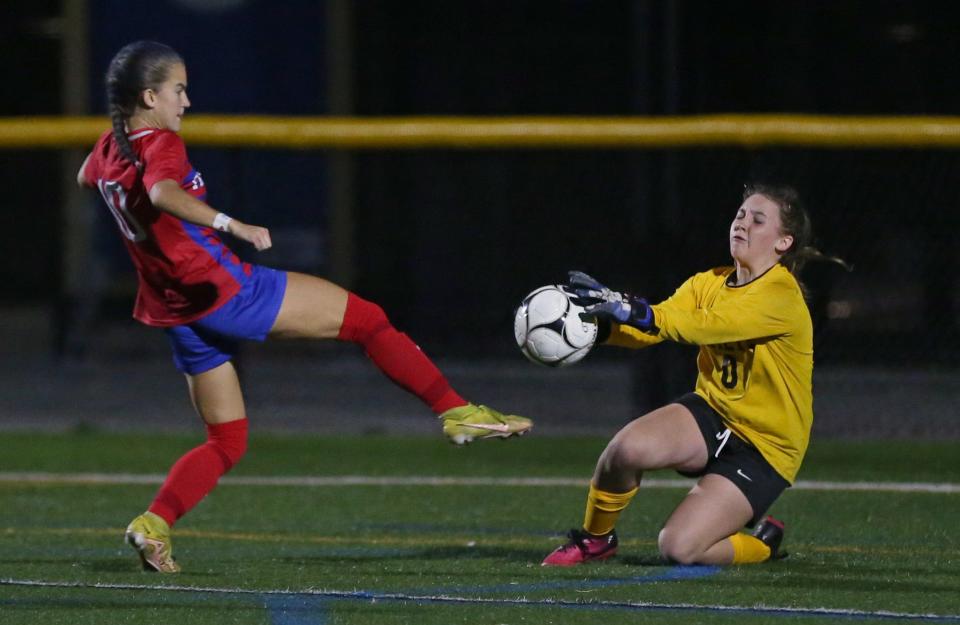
x: 116, y: 198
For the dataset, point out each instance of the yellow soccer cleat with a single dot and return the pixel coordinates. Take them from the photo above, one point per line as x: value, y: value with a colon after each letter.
x: 465, y: 423
x: 149, y: 534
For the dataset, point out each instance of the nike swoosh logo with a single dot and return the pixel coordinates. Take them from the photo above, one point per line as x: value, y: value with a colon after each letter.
x: 743, y: 475
x: 493, y: 427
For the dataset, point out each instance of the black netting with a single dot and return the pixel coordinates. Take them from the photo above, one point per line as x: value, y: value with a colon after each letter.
x: 471, y: 230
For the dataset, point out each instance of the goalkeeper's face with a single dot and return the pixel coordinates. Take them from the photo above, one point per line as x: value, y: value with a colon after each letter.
x: 756, y: 237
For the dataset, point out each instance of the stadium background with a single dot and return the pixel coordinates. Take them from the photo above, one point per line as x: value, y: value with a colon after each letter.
x: 448, y: 241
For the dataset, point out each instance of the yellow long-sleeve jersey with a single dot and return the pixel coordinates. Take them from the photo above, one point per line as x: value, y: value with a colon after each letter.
x: 755, y: 360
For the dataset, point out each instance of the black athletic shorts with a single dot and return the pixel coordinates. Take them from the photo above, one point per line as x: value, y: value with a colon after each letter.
x: 734, y: 458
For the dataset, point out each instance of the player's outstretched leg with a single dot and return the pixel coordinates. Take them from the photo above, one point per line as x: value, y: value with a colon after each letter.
x: 319, y: 309
x: 465, y: 423
x: 405, y: 363
x: 149, y: 535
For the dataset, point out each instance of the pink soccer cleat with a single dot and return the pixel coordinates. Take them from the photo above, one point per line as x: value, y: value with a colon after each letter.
x: 583, y: 547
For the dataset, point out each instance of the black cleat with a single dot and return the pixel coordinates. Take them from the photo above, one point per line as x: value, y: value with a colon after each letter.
x: 770, y: 532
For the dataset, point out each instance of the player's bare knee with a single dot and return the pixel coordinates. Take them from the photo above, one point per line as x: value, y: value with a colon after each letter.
x: 214, y: 415
x: 624, y: 454
x: 615, y: 459
x: 674, y: 546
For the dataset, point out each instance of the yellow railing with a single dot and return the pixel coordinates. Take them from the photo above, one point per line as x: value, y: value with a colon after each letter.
x: 511, y: 132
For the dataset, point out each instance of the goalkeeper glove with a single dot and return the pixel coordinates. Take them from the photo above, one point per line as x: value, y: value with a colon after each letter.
x: 587, y: 291
x: 601, y: 303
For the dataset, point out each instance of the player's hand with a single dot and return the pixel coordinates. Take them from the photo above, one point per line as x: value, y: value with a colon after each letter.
x: 257, y: 236
x: 629, y: 310
x: 587, y: 291
x: 601, y: 303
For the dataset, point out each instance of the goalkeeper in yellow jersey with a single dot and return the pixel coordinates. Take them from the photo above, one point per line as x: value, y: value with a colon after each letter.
x: 744, y: 430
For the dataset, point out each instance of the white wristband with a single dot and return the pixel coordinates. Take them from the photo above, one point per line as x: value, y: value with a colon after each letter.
x: 222, y: 222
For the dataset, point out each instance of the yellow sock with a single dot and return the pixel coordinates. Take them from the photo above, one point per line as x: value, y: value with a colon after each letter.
x: 749, y: 549
x: 603, y: 509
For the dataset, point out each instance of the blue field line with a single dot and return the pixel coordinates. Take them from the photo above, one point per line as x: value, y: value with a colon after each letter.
x: 520, y: 602
x: 672, y: 574
x: 296, y: 609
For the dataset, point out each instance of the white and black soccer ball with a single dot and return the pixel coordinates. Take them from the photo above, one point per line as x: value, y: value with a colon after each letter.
x: 549, y: 330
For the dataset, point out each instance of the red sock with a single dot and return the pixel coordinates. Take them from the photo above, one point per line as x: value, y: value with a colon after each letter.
x: 197, y: 471
x: 396, y: 355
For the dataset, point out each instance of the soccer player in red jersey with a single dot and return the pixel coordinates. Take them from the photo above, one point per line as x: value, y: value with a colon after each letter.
x: 208, y: 301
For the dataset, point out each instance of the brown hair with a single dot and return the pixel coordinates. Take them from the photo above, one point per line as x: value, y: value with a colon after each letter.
x: 137, y: 66
x: 795, y: 221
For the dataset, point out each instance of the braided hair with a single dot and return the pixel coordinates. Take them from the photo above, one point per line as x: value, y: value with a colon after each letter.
x: 137, y: 66
x: 794, y: 221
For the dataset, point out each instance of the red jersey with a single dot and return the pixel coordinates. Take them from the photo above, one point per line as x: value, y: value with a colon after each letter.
x: 185, y: 271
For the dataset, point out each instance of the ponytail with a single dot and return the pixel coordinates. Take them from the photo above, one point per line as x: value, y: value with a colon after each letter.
x: 794, y: 221
x: 119, y: 121
x: 795, y: 259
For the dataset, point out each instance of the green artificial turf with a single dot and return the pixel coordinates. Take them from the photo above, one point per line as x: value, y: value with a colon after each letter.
x: 456, y: 553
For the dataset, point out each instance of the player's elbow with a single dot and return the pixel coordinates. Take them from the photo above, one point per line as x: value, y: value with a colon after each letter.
x: 82, y: 181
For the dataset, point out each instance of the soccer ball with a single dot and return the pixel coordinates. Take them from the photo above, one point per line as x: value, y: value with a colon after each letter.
x: 549, y: 330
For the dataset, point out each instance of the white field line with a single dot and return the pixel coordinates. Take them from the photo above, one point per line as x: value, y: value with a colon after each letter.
x: 521, y: 601
x: 428, y: 480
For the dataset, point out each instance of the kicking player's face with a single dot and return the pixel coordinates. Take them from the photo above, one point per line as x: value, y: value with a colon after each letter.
x: 755, y: 236
x: 169, y: 101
